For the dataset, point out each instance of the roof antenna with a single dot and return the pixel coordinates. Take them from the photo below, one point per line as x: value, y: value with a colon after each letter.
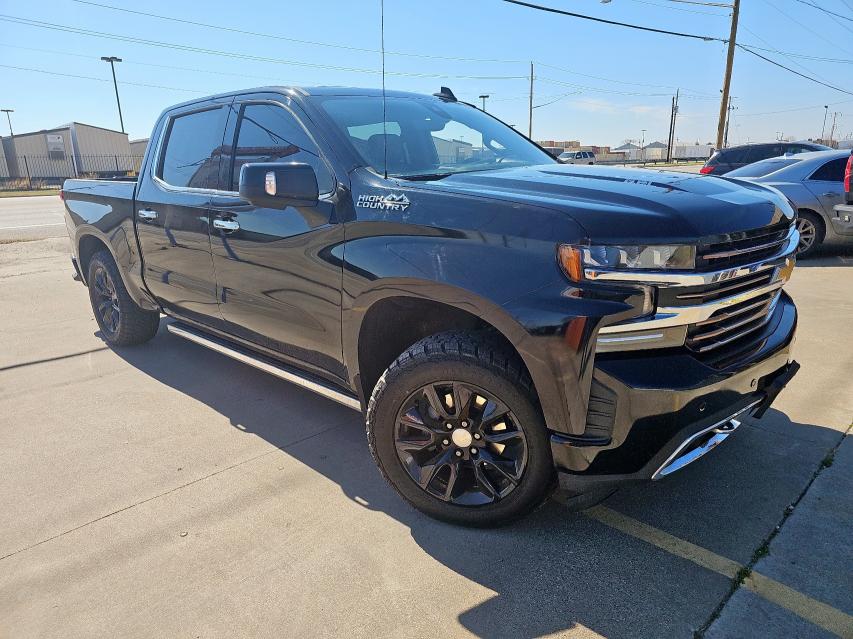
x: 446, y: 95
x: 384, y: 117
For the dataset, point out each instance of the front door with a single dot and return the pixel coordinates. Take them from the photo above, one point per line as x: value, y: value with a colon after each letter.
x: 279, y: 285
x: 172, y: 216
x: 827, y: 184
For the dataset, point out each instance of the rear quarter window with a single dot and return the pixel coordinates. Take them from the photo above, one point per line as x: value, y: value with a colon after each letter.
x: 832, y: 171
x: 192, y: 150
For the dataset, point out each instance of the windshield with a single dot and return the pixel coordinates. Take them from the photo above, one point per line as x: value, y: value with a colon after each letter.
x: 762, y: 168
x: 425, y: 138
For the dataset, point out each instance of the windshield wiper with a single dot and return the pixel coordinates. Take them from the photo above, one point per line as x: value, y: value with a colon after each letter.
x: 423, y: 177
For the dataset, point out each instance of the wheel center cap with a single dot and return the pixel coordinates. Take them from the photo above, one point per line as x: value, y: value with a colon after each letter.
x: 461, y: 437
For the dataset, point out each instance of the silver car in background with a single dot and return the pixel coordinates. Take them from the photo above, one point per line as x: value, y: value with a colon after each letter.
x: 577, y: 157
x: 814, y: 182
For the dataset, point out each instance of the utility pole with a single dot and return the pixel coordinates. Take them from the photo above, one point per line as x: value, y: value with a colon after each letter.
x: 530, y: 106
x: 823, y: 128
x: 835, y: 115
x: 112, y: 60
x: 728, y: 120
x: 670, y: 141
x: 483, y: 98
x: 727, y: 80
x: 642, y: 147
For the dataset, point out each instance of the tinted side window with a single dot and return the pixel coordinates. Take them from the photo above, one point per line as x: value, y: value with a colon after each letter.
x: 193, y: 149
x: 733, y: 156
x: 832, y: 171
x: 270, y: 133
x: 762, y: 152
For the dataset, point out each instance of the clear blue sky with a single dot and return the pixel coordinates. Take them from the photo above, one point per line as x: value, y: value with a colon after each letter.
x: 624, y: 61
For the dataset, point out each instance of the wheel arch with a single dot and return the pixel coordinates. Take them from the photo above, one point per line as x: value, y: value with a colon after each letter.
x: 370, y: 347
x: 89, y: 240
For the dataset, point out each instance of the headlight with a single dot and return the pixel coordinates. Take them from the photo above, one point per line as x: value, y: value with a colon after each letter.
x: 574, y: 259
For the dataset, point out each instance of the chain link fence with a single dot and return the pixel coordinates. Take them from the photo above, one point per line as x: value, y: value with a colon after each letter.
x: 37, y: 172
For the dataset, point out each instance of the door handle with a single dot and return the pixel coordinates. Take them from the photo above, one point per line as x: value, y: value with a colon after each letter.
x: 226, y: 225
x: 147, y: 214
x: 832, y: 194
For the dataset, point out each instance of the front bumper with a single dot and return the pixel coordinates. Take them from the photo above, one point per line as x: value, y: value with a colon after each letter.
x: 658, y: 400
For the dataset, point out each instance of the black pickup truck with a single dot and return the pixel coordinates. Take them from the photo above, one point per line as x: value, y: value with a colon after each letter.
x: 507, y: 323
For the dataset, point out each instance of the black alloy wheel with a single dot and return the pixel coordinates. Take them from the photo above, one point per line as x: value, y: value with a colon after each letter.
x: 105, y: 300
x: 122, y: 321
x: 455, y: 427
x: 460, y: 443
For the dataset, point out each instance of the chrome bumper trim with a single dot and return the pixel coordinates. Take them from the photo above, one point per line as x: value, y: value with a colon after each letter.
x: 686, y: 453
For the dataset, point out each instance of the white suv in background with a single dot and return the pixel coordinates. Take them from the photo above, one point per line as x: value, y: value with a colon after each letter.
x: 577, y: 157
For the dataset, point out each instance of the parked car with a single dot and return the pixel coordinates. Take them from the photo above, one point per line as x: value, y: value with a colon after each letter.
x: 577, y: 157
x: 503, y: 321
x: 814, y: 183
x: 842, y: 219
x: 734, y: 157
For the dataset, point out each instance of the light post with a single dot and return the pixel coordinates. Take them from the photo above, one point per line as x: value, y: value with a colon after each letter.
x: 9, y: 119
x: 823, y: 129
x: 112, y: 60
x: 483, y: 98
x: 642, y: 147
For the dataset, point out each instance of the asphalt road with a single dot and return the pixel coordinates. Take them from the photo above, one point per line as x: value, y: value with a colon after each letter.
x: 36, y: 217
x: 165, y: 491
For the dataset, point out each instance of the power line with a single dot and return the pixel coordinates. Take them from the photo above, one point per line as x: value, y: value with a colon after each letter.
x: 88, y: 77
x: 802, y: 25
x: 803, y: 67
x: 317, y: 43
x: 802, y: 75
x: 792, y: 110
x: 819, y: 8
x: 230, y: 54
x: 664, y: 6
x: 572, y: 14
x: 598, y: 77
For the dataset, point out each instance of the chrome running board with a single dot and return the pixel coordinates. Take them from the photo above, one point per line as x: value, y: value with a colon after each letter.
x: 702, y: 443
x: 279, y: 370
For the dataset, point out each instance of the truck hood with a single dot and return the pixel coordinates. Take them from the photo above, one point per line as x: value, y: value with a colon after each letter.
x: 615, y: 204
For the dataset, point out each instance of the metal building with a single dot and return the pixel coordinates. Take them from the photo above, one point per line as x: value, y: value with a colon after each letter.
x: 72, y: 150
x: 137, y: 147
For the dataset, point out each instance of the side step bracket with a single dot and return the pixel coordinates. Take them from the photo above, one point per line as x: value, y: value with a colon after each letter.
x: 281, y: 371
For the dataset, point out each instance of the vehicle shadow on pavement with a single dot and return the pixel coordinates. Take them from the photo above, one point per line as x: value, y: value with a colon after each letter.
x: 830, y: 255
x: 555, y: 570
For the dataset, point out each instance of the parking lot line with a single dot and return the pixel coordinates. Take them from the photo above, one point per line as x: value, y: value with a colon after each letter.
x: 820, y: 614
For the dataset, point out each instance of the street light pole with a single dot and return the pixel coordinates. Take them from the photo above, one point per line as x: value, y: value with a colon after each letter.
x: 823, y: 129
x: 642, y: 147
x: 9, y: 119
x: 483, y: 98
x: 112, y: 60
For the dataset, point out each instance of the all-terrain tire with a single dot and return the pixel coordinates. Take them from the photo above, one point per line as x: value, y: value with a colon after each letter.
x: 474, y: 361
x: 122, y: 321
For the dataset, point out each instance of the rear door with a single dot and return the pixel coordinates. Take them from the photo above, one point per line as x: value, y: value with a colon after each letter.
x: 827, y: 184
x: 279, y: 285
x: 172, y: 216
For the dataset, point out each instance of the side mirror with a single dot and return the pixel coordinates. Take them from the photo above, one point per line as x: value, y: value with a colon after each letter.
x: 277, y: 185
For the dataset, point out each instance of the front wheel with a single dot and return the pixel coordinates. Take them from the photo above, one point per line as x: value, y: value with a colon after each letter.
x: 454, y: 427
x: 811, y: 233
x: 122, y: 321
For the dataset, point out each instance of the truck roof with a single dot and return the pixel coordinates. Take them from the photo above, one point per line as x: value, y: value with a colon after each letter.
x: 305, y: 92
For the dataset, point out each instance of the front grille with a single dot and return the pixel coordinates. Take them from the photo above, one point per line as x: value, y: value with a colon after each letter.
x: 694, y: 295
x: 743, y: 247
x: 727, y: 328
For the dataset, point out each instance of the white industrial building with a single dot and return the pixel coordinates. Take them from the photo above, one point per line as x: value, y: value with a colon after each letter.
x: 71, y: 150
x: 137, y: 147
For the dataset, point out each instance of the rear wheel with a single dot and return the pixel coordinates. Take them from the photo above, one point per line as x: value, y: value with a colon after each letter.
x: 122, y: 321
x: 454, y: 427
x: 811, y: 231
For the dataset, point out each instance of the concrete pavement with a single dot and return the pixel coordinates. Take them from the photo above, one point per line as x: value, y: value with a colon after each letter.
x: 164, y: 490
